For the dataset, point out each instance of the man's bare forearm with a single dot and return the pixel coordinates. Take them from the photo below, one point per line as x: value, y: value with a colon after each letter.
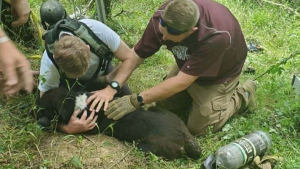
x: 167, y: 88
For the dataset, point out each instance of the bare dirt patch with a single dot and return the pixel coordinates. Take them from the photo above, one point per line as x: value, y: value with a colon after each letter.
x: 93, y: 151
x: 22, y: 145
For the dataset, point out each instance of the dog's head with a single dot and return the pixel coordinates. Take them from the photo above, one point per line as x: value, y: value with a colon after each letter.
x: 55, y: 107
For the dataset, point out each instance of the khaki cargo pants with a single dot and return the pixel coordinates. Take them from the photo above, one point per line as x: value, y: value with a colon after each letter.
x: 211, y: 105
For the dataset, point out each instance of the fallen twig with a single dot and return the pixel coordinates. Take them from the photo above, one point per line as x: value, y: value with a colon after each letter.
x: 28, y: 158
x: 121, y: 158
x: 120, y: 26
x: 37, y: 147
x: 87, y: 7
x: 291, y: 144
x: 286, y: 7
x: 119, y: 13
x: 89, y: 139
x: 282, y: 62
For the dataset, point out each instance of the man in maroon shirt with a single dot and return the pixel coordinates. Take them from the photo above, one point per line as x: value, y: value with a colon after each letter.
x: 210, y: 50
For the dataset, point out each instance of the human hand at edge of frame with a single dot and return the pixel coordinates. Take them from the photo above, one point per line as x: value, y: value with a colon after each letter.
x: 16, y: 70
x: 20, y: 9
x: 122, y: 106
x: 101, y: 97
x: 79, y: 125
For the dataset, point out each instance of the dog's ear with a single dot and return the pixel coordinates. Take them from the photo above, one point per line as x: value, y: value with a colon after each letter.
x: 65, y: 115
x: 67, y: 110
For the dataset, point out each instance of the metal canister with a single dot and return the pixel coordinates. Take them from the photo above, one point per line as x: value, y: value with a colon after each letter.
x: 242, y: 151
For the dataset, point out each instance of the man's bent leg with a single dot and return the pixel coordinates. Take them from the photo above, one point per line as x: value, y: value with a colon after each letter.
x: 213, y: 105
x: 240, y: 101
x: 176, y: 103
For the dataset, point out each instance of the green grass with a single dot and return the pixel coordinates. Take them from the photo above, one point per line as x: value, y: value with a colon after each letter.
x: 273, y: 27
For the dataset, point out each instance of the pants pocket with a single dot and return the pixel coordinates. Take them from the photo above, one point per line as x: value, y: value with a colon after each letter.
x: 219, y: 107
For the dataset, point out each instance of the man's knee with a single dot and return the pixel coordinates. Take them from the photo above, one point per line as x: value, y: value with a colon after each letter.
x: 205, y: 120
x: 197, y: 130
x: 179, y: 102
x: 204, y: 130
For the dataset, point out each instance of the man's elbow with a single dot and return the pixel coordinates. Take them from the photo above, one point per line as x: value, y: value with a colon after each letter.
x: 182, y: 86
x: 139, y: 60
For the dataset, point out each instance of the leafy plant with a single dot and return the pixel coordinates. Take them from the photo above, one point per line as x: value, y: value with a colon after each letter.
x: 274, y: 27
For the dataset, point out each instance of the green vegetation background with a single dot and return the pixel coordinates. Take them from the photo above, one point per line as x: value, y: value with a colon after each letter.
x: 275, y: 28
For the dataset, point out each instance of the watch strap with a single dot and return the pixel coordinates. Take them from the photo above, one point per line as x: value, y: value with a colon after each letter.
x: 140, y: 100
x: 115, y: 87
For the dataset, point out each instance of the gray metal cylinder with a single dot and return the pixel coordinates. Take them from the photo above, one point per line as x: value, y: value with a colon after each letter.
x: 243, y: 150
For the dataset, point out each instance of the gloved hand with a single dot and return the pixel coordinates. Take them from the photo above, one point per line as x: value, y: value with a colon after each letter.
x: 122, y: 106
x: 267, y: 161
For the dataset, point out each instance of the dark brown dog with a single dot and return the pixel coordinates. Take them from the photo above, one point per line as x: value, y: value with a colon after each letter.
x: 155, y: 130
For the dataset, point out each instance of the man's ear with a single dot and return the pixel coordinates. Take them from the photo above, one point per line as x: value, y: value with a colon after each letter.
x: 88, y: 46
x: 193, y: 30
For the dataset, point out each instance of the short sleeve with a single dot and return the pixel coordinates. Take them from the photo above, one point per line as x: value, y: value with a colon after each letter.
x: 104, y: 33
x: 207, y: 59
x: 48, y: 73
x: 150, y: 42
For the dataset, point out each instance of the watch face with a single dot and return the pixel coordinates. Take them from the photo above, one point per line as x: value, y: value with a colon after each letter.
x: 114, y: 84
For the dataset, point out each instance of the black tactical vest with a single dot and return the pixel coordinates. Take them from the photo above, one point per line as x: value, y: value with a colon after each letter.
x: 82, y: 31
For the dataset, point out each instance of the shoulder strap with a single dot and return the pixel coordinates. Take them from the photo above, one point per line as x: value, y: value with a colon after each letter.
x: 50, y: 37
x: 82, y: 31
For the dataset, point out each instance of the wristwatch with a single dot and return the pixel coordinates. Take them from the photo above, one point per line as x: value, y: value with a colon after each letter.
x: 140, y: 100
x: 115, y: 85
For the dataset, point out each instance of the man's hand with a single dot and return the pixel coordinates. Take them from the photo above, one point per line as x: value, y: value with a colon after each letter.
x: 100, y: 97
x: 83, y: 124
x: 21, y: 9
x: 16, y: 70
x: 122, y: 106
